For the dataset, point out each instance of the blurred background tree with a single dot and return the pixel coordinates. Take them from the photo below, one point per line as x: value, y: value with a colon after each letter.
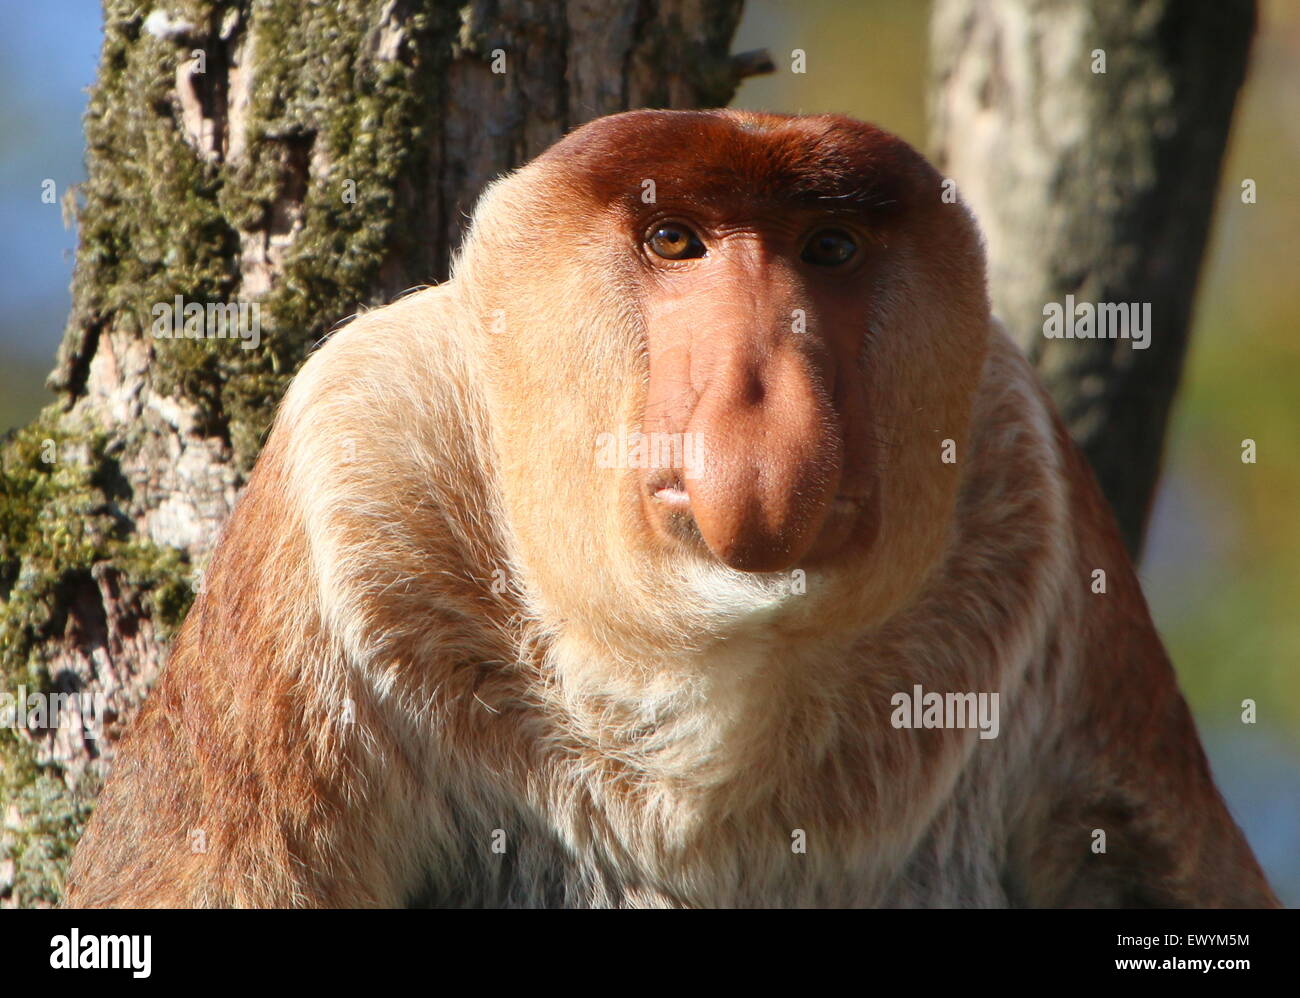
x: 1087, y: 135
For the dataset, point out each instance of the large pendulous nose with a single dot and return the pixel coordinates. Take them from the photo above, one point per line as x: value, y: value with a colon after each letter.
x: 773, y: 453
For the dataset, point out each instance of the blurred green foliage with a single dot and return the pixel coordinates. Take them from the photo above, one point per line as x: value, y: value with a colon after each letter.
x: 22, y: 389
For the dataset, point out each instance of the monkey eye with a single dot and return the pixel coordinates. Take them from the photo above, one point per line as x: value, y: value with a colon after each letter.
x: 829, y: 248
x: 674, y: 241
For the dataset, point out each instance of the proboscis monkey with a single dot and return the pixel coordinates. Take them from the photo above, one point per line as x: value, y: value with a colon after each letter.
x: 458, y: 648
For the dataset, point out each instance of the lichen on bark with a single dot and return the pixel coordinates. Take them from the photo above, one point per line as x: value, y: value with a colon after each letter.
x: 58, y: 526
x: 286, y: 194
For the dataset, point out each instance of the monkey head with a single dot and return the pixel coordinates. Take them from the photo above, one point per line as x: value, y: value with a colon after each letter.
x: 726, y: 346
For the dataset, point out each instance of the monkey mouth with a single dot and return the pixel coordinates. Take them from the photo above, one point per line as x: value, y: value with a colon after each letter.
x: 669, y: 506
x: 674, y: 498
x: 669, y: 489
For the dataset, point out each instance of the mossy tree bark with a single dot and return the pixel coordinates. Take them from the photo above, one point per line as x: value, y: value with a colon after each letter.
x: 315, y: 159
x: 1088, y: 136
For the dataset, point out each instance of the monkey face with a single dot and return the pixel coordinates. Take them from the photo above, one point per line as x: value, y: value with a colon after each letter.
x: 756, y: 328
x: 779, y: 321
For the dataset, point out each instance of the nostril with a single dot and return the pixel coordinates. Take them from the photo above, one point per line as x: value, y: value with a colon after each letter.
x: 744, y: 388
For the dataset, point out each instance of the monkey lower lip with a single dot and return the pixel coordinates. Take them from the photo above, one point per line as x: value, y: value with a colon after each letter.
x: 673, y: 497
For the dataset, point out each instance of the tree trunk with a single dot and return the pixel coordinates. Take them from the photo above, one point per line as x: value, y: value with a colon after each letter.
x: 314, y: 159
x: 1093, y: 184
